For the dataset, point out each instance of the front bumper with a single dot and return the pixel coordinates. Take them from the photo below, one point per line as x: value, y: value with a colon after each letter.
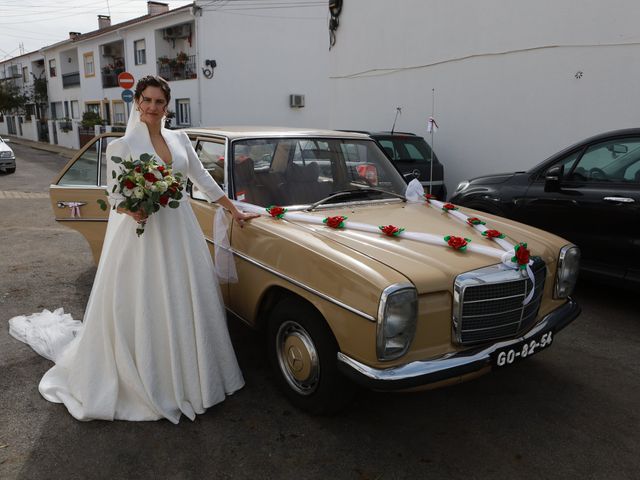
x: 424, y: 372
x: 7, y: 162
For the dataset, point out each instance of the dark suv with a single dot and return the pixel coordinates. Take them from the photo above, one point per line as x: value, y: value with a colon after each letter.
x: 411, y: 155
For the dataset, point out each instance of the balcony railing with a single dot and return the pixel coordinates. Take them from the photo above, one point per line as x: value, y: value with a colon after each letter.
x: 178, y: 68
x: 70, y: 79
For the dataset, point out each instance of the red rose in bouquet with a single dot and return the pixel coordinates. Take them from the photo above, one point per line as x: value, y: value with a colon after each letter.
x: 146, y: 186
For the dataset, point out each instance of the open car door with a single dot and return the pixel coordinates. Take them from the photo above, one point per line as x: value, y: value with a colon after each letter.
x: 75, y: 192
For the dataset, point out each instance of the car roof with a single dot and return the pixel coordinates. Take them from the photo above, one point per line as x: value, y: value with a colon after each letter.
x: 235, y: 132
x: 383, y: 133
x: 595, y: 138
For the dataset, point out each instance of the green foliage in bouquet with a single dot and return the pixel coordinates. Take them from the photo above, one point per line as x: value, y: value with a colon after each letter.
x: 146, y: 185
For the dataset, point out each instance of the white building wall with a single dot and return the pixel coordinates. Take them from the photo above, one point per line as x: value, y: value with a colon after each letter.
x: 92, y: 89
x: 262, y: 59
x: 56, y: 92
x: 513, y: 82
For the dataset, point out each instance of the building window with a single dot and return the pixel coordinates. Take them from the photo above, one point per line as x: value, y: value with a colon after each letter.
x: 52, y: 67
x: 75, y: 109
x: 25, y: 74
x: 141, y: 53
x: 89, y: 65
x: 93, y: 107
x: 183, y: 109
x: 56, y: 110
x: 118, y: 113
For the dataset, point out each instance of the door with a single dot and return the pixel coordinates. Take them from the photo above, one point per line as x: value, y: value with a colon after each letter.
x: 75, y: 193
x: 597, y: 206
x: 211, y: 152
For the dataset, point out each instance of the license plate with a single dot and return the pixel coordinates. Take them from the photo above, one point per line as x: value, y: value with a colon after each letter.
x: 509, y: 355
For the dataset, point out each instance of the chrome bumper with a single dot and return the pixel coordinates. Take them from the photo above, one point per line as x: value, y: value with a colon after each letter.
x: 452, y: 365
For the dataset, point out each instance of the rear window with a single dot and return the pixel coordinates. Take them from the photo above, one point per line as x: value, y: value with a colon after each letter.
x: 407, y: 149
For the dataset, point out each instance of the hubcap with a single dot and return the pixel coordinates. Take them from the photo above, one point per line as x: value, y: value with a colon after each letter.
x: 297, y: 357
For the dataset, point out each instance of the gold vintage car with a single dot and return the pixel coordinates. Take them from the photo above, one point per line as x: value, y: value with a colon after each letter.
x: 342, y: 293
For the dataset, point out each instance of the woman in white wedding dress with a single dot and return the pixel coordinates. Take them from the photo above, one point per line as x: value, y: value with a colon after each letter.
x: 154, y: 341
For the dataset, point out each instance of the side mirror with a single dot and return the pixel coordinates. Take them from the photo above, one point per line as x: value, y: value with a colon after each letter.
x: 553, y: 178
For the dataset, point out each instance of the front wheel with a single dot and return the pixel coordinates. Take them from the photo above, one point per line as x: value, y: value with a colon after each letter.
x: 303, y: 355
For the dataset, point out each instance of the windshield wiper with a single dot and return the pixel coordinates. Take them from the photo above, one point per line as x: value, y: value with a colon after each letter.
x: 355, y: 192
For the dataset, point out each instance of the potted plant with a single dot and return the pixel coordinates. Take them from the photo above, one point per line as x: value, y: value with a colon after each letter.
x: 65, y: 125
x: 163, y: 60
x: 182, y: 58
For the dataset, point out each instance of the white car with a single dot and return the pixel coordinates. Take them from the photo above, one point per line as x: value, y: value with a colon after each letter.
x: 7, y: 157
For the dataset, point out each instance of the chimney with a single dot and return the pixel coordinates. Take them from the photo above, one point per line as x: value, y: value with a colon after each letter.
x: 104, y: 21
x: 73, y: 35
x: 155, y: 8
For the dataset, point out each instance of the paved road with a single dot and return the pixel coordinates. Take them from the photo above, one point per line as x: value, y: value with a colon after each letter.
x: 570, y: 412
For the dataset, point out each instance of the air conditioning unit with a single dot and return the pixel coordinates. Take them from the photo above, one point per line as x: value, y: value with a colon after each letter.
x: 107, y: 50
x: 179, y: 31
x: 296, y: 101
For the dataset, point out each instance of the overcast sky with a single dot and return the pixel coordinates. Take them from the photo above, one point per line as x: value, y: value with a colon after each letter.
x: 36, y: 23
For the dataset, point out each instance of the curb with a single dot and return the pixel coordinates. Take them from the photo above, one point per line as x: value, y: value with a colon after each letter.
x: 63, y: 151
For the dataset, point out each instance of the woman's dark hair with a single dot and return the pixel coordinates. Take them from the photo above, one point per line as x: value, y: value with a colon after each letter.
x: 153, y: 81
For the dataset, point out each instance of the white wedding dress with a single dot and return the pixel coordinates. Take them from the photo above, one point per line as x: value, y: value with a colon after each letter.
x: 154, y: 341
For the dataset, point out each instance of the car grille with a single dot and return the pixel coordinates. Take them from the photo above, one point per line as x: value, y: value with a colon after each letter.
x: 488, y: 303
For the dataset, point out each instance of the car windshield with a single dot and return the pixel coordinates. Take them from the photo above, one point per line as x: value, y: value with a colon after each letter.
x: 302, y: 171
x: 407, y: 149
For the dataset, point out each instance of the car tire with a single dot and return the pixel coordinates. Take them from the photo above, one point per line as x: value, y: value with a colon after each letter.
x: 11, y: 170
x: 303, y: 356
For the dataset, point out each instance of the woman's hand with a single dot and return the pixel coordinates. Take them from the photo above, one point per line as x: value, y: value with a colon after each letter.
x: 242, y: 217
x: 139, y: 216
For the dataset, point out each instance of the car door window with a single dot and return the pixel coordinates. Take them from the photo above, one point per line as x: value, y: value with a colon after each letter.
x: 389, y: 149
x: 84, y: 170
x: 610, y: 161
x: 103, y: 159
x: 211, y: 154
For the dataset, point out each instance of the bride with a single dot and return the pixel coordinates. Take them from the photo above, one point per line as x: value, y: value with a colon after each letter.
x: 154, y: 342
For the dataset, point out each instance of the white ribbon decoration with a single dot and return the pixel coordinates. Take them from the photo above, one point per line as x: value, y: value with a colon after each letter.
x: 225, y: 265
x: 415, y: 193
x: 75, y: 208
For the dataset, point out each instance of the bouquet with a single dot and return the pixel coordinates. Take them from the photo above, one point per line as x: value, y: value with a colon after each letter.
x: 145, y: 185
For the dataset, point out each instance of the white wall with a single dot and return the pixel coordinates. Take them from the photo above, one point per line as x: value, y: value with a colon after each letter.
x: 504, y: 74
x: 261, y: 60
x: 92, y: 90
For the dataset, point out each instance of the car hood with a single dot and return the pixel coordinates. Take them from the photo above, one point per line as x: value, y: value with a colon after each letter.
x: 5, y: 148
x: 429, y: 267
x: 492, y: 179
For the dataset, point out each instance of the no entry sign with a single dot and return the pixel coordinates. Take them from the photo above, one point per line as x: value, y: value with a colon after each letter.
x: 125, y: 80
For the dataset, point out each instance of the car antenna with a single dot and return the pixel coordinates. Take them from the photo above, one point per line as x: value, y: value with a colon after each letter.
x: 398, y: 112
x: 432, y: 126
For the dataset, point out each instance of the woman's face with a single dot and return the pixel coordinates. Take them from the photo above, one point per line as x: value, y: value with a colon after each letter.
x: 153, y: 105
